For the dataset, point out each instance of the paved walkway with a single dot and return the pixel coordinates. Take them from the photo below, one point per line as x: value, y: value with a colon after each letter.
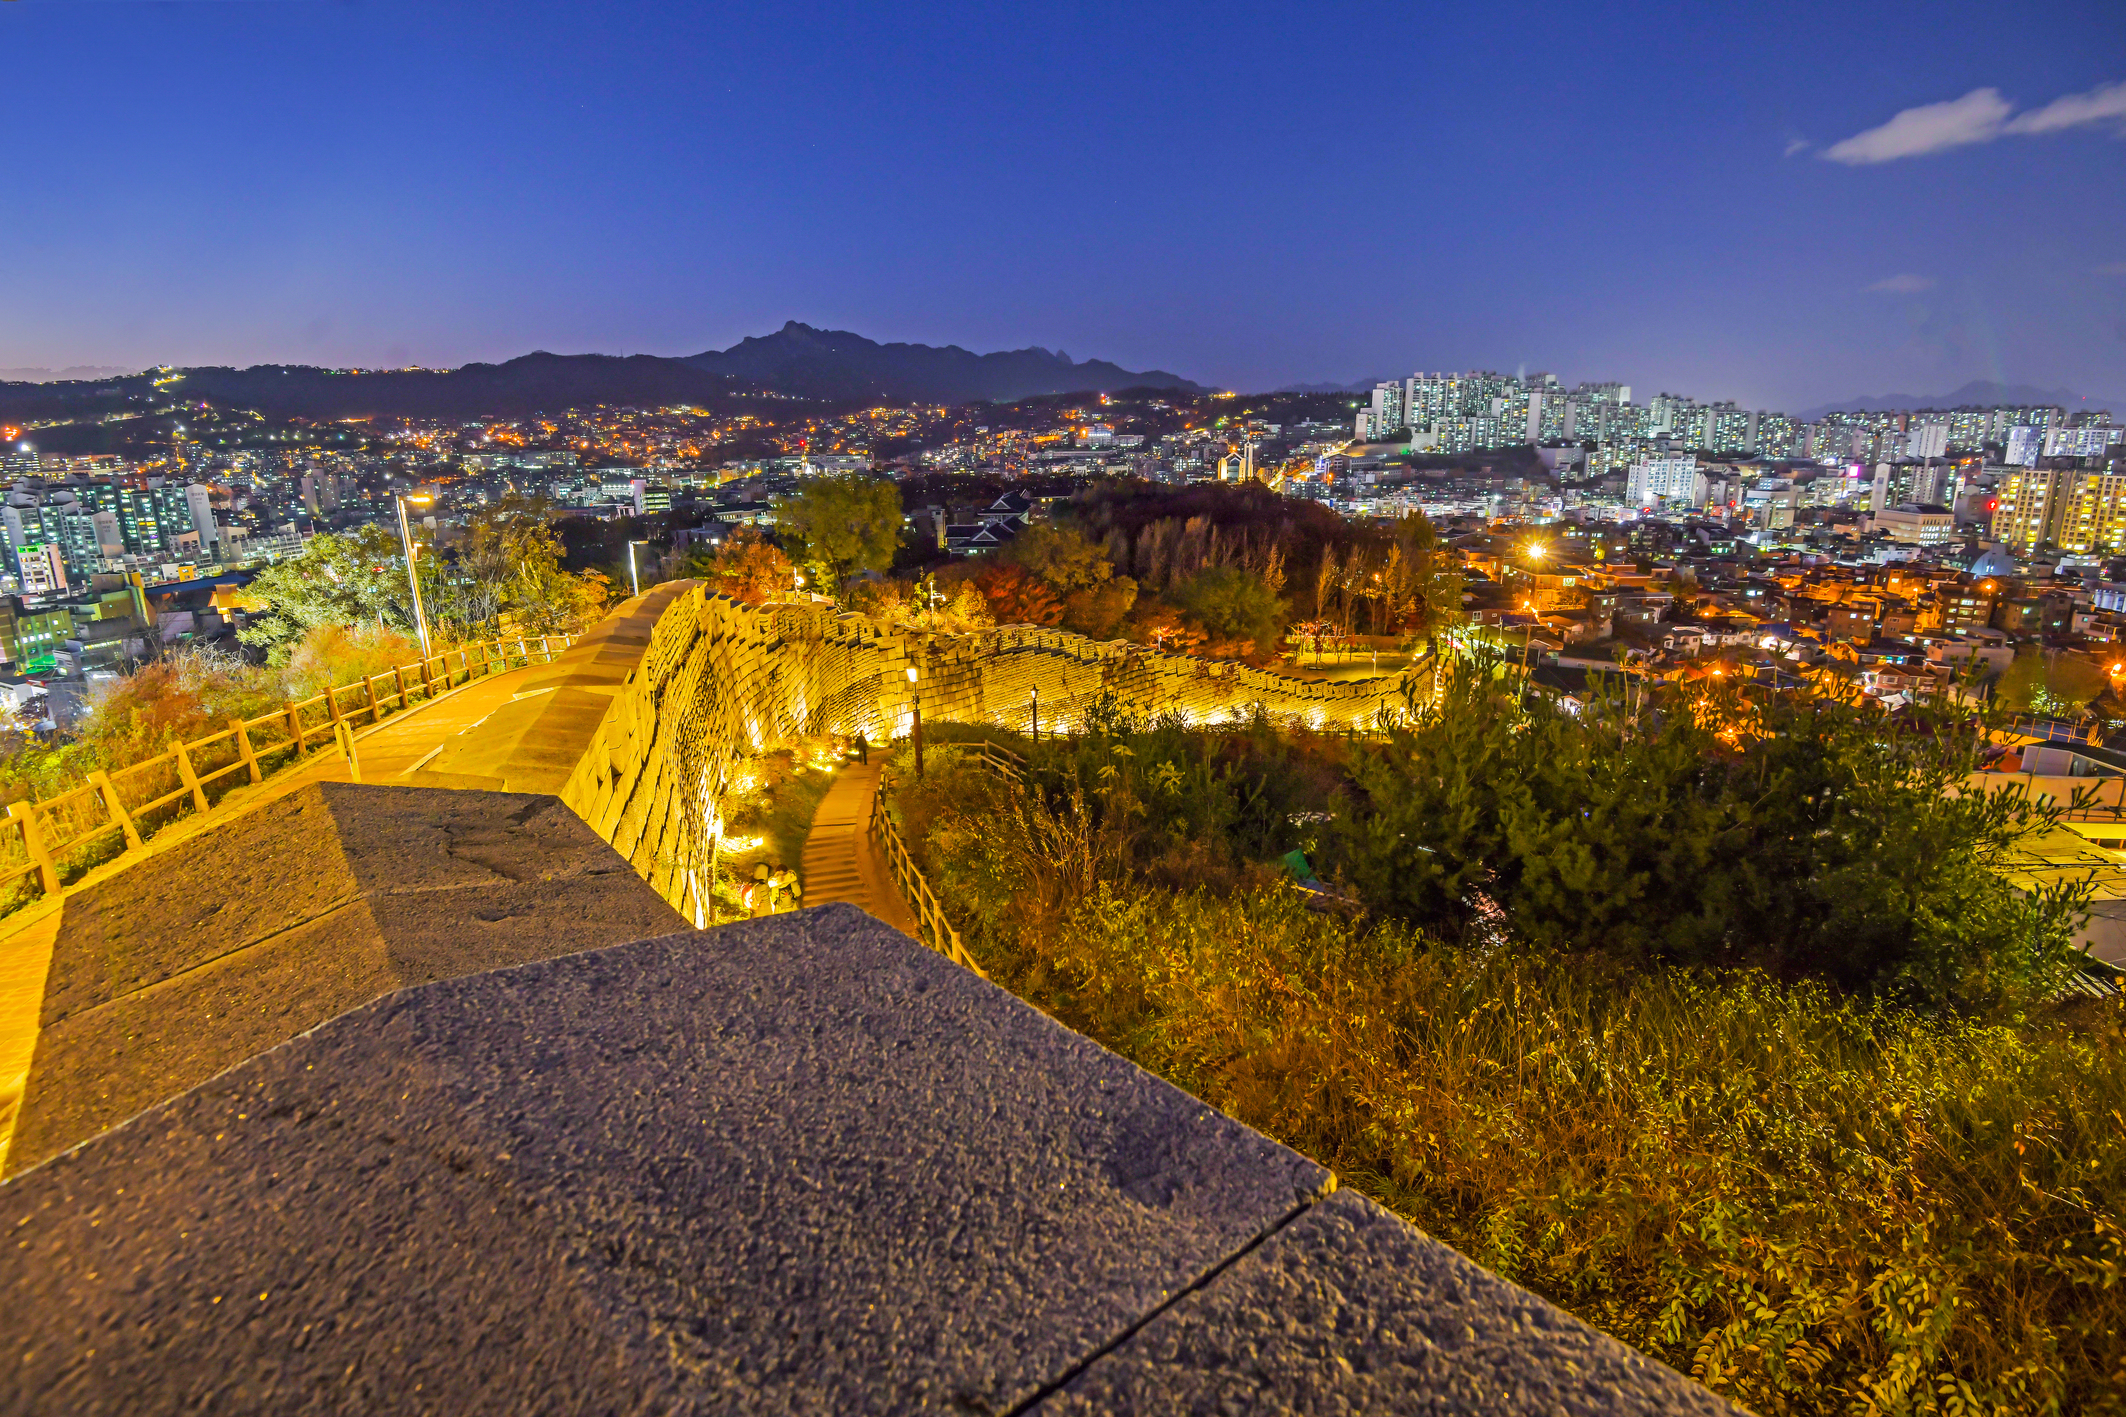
x: 385, y: 752
x: 841, y: 862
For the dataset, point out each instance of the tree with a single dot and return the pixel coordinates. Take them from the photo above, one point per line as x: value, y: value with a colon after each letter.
x: 1432, y: 577
x: 1060, y: 556
x: 507, y: 560
x: 1232, y: 606
x: 1098, y: 611
x: 1161, y: 626
x: 2049, y: 682
x: 1017, y: 597
x: 839, y: 525
x: 1802, y: 836
x: 340, y: 579
x: 747, y: 567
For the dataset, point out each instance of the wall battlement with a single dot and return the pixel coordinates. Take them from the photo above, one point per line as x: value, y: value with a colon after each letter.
x: 719, y: 682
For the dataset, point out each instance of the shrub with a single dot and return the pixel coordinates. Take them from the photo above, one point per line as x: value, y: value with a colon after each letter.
x: 344, y: 654
x: 1803, y: 836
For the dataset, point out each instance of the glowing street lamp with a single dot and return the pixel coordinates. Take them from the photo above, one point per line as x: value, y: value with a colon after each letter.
x: 915, y: 691
x: 413, y: 579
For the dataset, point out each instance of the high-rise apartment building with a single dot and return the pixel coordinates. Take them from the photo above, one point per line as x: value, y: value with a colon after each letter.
x: 198, y: 502
x: 2025, y: 443
x: 1928, y: 440
x: 1729, y: 429
x: 1970, y: 429
x: 94, y: 521
x: 1661, y: 479
x: 1777, y: 435
x: 2077, y: 511
x: 2092, y: 440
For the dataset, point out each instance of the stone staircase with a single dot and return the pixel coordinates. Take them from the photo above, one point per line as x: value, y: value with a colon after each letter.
x: 840, y: 861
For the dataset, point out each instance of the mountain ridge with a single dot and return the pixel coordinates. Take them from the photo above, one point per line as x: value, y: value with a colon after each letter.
x: 832, y: 366
x: 840, y: 363
x: 1976, y: 393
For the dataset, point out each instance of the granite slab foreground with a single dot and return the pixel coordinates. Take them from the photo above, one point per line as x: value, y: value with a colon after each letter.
x: 799, y: 1164
x: 290, y: 915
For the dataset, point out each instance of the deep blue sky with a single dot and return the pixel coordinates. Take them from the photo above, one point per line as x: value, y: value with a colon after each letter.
x: 1244, y: 194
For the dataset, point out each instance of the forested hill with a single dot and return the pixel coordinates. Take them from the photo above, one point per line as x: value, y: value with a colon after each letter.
x: 836, y: 364
x: 795, y: 362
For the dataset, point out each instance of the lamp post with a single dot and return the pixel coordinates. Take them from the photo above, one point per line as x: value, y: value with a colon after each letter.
x: 915, y: 691
x: 413, y: 579
x: 634, y: 582
x: 1037, y: 713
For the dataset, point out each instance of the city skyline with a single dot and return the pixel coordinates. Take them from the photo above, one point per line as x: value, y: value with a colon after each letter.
x: 1858, y: 205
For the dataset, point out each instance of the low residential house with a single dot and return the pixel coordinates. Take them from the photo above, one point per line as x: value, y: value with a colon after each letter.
x: 2022, y: 616
x: 1851, y: 620
x: 1907, y: 683
x: 1642, y: 609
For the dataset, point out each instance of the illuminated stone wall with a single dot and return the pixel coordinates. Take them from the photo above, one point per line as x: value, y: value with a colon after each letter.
x: 722, y: 682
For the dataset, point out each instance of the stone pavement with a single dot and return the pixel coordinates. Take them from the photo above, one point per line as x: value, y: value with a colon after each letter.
x: 798, y: 1164
x: 310, y: 906
x: 385, y: 752
x: 841, y: 862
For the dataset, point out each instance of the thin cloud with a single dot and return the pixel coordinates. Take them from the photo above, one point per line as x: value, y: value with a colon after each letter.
x: 1796, y: 145
x: 1907, y: 284
x: 2115, y: 268
x: 1980, y: 116
x: 2076, y: 110
x: 1977, y: 117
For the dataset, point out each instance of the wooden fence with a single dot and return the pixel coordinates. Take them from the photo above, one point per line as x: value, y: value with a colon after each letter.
x: 934, y: 929
x: 43, y: 844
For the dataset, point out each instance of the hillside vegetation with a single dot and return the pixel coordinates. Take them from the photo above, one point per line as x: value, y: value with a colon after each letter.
x: 1790, y: 1107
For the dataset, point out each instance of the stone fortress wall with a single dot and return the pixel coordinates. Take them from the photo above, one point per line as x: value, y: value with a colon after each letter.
x: 721, y: 682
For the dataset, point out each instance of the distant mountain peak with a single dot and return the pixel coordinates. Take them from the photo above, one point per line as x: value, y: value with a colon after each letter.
x: 835, y: 364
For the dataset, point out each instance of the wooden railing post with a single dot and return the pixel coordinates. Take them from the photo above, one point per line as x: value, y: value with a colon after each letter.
x: 108, y: 790
x: 398, y: 676
x: 332, y: 702
x: 243, y: 746
x: 465, y: 664
x: 428, y: 683
x: 376, y: 715
x: 33, y: 844
x: 191, y: 778
x: 295, y: 726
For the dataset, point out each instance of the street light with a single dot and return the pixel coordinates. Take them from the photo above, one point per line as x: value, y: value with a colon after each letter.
x: 634, y: 582
x: 915, y: 690
x: 413, y: 579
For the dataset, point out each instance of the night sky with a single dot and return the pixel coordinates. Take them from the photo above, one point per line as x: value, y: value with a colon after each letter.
x: 1727, y: 201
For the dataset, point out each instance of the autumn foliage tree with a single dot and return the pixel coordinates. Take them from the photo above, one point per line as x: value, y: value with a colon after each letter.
x: 1018, y: 597
x: 746, y: 566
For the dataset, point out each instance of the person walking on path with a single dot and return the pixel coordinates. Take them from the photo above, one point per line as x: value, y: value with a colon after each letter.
x: 863, y: 750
